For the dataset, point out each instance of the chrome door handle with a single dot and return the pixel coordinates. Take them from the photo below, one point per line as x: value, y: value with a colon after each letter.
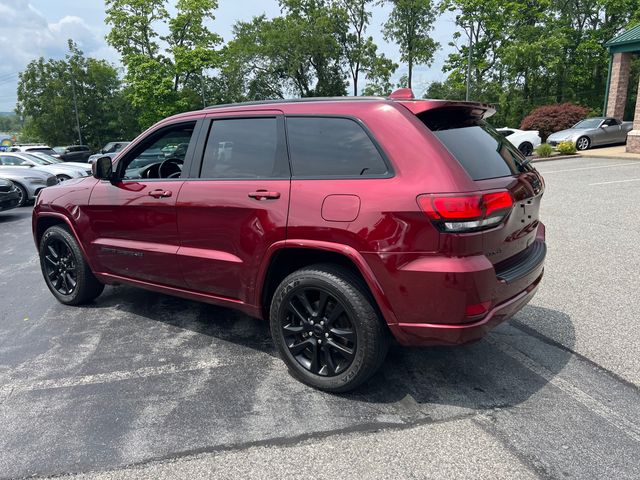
x: 159, y: 193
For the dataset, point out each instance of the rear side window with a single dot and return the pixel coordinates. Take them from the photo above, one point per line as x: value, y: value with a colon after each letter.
x: 479, y: 148
x: 332, y: 147
x: 244, y: 148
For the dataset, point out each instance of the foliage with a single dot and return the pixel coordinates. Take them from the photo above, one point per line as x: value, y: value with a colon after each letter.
x: 163, y: 78
x: 535, y: 52
x: 45, y: 99
x: 360, y: 51
x: 566, y: 148
x: 10, y: 123
x: 553, y: 118
x: 409, y: 25
x: 544, y: 150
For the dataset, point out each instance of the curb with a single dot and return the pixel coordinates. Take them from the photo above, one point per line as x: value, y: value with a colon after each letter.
x: 557, y: 157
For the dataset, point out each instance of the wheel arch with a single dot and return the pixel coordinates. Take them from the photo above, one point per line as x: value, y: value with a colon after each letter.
x: 289, y: 256
x: 45, y: 220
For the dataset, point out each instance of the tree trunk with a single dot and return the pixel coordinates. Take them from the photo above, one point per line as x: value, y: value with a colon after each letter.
x: 410, y: 72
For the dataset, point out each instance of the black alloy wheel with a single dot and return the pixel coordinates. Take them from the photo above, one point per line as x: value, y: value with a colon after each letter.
x: 319, y: 332
x: 526, y: 149
x: 64, y: 268
x: 60, y: 266
x: 326, y: 327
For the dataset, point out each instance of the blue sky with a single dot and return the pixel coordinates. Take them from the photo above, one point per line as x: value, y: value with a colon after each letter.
x: 33, y: 28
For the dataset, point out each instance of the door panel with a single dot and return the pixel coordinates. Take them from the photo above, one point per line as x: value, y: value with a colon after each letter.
x: 133, y: 219
x: 135, y: 233
x: 225, y: 233
x: 232, y: 214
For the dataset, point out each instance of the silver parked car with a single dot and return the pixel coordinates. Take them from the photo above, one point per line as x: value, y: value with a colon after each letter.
x: 62, y: 171
x: 51, y: 160
x: 593, y: 132
x: 29, y: 181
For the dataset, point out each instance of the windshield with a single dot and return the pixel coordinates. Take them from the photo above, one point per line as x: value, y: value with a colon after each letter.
x: 36, y: 159
x: 113, y: 147
x: 589, y: 123
x: 47, y: 158
x: 59, y: 150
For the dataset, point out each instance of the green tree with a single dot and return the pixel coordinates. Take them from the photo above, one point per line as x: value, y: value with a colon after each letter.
x: 163, y: 72
x: 298, y: 53
x: 45, y: 99
x: 360, y: 51
x: 409, y: 25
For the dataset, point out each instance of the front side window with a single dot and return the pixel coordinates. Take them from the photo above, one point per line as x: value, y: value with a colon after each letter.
x: 162, y: 155
x: 241, y: 148
x: 13, y: 161
x: 332, y: 147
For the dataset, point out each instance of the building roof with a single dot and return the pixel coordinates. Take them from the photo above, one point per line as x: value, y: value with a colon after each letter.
x: 628, y: 41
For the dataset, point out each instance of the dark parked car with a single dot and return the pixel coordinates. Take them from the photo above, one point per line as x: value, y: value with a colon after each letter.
x: 342, y: 221
x: 9, y: 195
x: 73, y: 153
x: 111, y: 149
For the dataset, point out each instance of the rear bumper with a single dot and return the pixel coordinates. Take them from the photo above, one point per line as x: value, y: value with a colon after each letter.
x: 429, y: 294
x: 425, y: 334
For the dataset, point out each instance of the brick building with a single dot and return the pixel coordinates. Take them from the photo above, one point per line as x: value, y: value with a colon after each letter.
x: 622, y: 49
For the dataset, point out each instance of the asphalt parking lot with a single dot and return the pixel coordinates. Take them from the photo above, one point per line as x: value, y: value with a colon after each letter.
x: 142, y: 385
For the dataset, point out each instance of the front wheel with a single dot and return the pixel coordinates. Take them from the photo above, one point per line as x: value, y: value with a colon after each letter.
x: 326, y: 328
x: 526, y: 148
x: 23, y: 197
x: 65, y: 270
x: 583, y: 143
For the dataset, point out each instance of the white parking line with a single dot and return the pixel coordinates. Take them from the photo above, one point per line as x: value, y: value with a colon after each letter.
x: 616, y: 419
x: 26, y: 385
x: 592, y: 168
x: 615, y: 181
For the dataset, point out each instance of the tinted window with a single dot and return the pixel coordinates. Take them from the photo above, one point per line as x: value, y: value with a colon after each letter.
x: 610, y: 122
x: 243, y: 148
x: 335, y: 147
x: 479, y: 148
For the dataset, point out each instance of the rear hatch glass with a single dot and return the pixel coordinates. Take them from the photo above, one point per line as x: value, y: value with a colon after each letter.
x: 494, y: 164
x: 481, y: 150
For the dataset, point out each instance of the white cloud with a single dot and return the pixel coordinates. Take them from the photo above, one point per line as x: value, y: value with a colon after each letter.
x: 26, y: 34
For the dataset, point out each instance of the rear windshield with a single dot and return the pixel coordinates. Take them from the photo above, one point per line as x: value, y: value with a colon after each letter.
x: 481, y: 150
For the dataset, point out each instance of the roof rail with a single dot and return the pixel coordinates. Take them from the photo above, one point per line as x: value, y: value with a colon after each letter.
x: 297, y: 100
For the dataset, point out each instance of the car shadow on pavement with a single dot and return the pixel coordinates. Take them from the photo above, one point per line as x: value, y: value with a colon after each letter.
x: 8, y: 217
x: 484, y: 375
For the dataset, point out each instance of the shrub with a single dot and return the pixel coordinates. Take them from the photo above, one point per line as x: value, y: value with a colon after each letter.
x: 544, y: 150
x: 553, y: 118
x: 566, y: 148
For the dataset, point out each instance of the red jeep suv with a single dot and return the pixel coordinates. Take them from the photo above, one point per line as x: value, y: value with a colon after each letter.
x: 343, y: 221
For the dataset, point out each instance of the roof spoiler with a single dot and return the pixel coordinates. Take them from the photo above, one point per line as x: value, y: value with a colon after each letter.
x: 406, y: 97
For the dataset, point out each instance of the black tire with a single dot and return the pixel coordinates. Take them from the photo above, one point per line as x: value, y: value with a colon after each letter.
x: 526, y: 148
x: 64, y: 268
x: 583, y: 143
x: 61, y: 178
x: 22, y: 192
x: 337, y: 296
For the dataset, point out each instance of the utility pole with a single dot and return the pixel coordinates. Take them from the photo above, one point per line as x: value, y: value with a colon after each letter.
x: 75, y: 107
x: 469, y: 62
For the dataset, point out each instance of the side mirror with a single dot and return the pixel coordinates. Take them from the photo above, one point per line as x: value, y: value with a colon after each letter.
x: 102, y: 169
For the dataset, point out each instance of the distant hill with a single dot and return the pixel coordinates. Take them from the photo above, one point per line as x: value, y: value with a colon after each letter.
x: 7, y: 114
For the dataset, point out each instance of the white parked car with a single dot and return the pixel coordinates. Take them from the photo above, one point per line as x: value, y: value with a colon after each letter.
x: 525, y: 140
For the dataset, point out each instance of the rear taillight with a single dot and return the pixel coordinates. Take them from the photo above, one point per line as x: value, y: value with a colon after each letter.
x: 466, y: 213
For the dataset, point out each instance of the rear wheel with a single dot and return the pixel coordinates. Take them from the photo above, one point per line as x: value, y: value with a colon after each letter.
x: 583, y: 143
x: 526, y: 149
x: 327, y: 329
x: 61, y: 178
x: 65, y: 270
